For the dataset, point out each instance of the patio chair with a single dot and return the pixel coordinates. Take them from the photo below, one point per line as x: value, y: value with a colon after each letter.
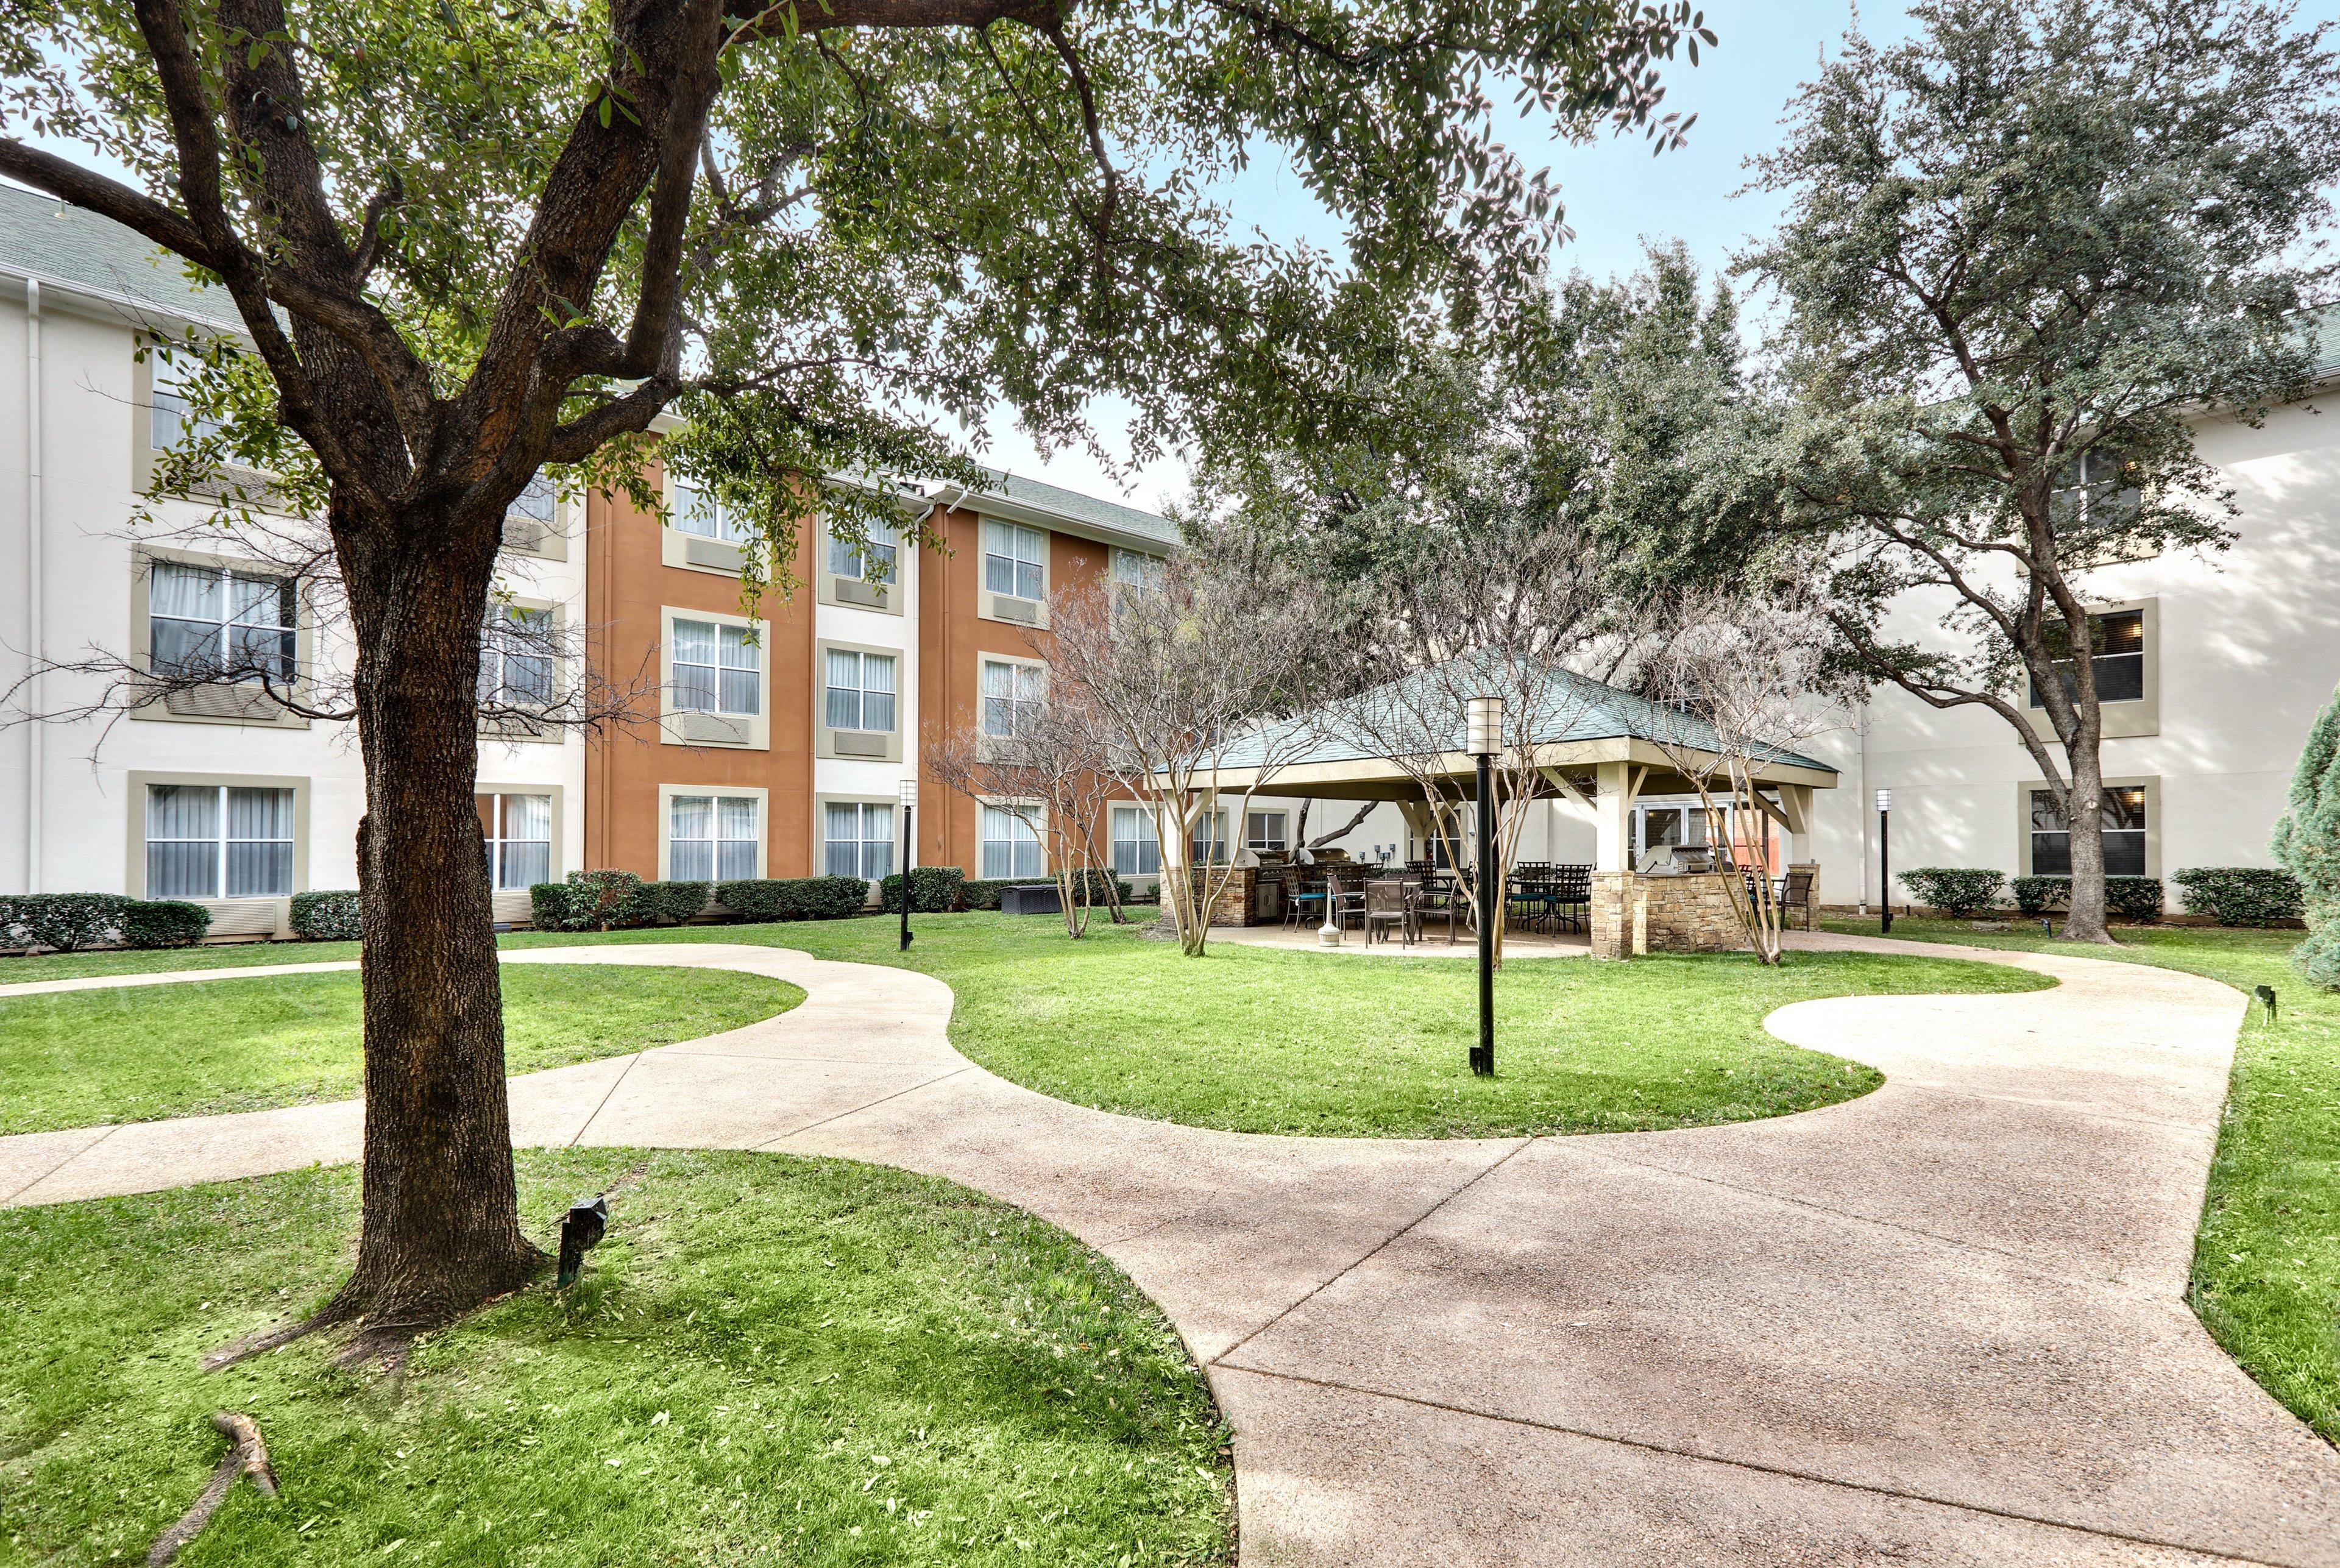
x: 1572, y: 894
x: 1387, y: 905
x: 1304, y: 902
x: 1440, y: 896
x: 1796, y: 898
x: 1346, y: 887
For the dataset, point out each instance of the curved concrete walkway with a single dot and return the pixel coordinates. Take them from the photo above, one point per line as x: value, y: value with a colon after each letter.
x: 1942, y: 1323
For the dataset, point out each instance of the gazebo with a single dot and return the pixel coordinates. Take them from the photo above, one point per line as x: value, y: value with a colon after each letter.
x: 1603, y: 749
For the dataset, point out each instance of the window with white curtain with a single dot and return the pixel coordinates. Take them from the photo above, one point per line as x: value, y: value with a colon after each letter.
x: 1136, y: 850
x: 859, y: 839
x: 535, y: 501
x: 694, y: 510
x: 516, y: 657
x: 872, y: 560
x: 218, y: 841
x: 217, y: 621
x: 1135, y: 569
x: 171, y: 421
x: 712, y: 838
x: 1015, y: 560
x: 861, y: 690
x: 715, y: 668
x: 1012, y: 695
x: 1010, y: 846
x: 519, y: 833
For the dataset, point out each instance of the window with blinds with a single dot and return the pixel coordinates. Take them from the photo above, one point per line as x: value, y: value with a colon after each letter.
x: 861, y: 690
x: 217, y: 623
x: 218, y: 841
x: 2124, y: 818
x: 872, y: 560
x: 2118, y: 661
x: 716, y: 668
x: 696, y: 511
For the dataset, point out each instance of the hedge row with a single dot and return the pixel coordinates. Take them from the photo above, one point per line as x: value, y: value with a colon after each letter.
x: 2135, y: 898
x: 1955, y: 890
x: 2242, y: 895
x: 328, y: 916
x: 2230, y: 895
x: 613, y: 901
x: 934, y: 891
x: 63, y: 922
x: 794, y: 898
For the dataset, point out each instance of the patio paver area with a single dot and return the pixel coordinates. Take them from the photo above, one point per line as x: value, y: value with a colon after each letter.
x: 1942, y: 1323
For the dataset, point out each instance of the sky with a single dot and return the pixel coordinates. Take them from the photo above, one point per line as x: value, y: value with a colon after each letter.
x: 1615, y: 193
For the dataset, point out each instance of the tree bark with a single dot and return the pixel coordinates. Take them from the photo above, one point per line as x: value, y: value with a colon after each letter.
x: 441, y: 1225
x: 2084, y: 820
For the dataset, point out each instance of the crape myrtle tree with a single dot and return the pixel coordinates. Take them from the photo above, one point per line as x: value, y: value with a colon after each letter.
x: 465, y: 242
x: 2022, y: 251
x: 1045, y: 766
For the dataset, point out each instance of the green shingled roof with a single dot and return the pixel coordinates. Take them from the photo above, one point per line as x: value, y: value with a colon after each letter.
x: 57, y: 244
x: 1574, y: 707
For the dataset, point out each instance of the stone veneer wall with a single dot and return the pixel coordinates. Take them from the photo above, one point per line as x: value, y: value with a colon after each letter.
x: 1686, y: 914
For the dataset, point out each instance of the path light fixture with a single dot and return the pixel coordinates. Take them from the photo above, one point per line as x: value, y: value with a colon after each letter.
x: 909, y: 851
x: 581, y: 1229
x: 1885, y: 858
x: 1484, y: 737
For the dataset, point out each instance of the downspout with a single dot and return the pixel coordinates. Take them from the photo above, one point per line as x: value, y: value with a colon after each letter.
x: 1860, y: 728
x: 35, y: 630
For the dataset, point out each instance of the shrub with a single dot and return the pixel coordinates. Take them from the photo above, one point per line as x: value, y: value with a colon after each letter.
x: 548, y: 905
x: 61, y: 921
x: 598, y: 900
x: 933, y: 890
x: 2135, y: 898
x: 985, y: 895
x: 163, y: 923
x: 326, y: 917
x: 2037, y: 895
x: 2308, y: 843
x: 1954, y: 890
x: 666, y: 903
x: 2241, y: 895
x: 1096, y: 893
x: 794, y: 898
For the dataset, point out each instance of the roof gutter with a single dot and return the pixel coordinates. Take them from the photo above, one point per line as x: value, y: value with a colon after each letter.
x: 986, y: 504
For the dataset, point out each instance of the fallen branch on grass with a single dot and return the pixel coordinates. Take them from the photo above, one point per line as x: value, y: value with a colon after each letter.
x: 247, y: 1454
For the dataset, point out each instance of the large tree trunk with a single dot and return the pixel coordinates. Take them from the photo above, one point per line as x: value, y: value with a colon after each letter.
x: 440, y: 1229
x: 2083, y: 820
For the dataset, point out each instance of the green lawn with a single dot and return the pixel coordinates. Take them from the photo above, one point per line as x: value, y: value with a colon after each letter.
x: 770, y: 1360
x: 77, y: 1058
x: 2266, y: 1263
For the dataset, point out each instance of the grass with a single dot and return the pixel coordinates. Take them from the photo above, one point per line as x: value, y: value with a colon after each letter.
x: 769, y: 1361
x: 2267, y: 1261
x: 77, y: 1058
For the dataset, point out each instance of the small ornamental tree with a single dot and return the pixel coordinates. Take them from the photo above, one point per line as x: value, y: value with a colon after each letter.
x: 2308, y: 843
x: 464, y: 242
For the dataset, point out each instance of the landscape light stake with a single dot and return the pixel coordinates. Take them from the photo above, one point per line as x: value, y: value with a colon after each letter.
x: 581, y: 1229
x: 909, y: 852
x: 1485, y: 737
x: 1884, y: 860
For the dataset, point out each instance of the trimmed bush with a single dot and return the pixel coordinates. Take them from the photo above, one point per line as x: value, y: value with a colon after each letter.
x: 666, y: 903
x: 1954, y: 890
x: 61, y: 922
x: 600, y: 900
x: 331, y: 916
x: 933, y: 890
x: 974, y: 894
x: 2135, y: 898
x: 2242, y: 895
x: 794, y: 898
x: 548, y: 907
x: 164, y: 923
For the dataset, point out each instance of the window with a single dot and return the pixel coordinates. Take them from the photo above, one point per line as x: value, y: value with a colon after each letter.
x: 1010, y: 847
x: 2088, y: 493
x: 516, y: 658
x: 696, y: 511
x: 214, y: 841
x: 1211, y: 840
x: 861, y: 690
x: 715, y: 668
x: 1011, y: 697
x: 860, y: 839
x: 1136, y: 850
x: 171, y: 421
x: 519, y: 833
x: 1135, y: 569
x: 1264, y: 830
x: 533, y: 502
x: 711, y: 837
x: 1015, y: 560
x: 847, y: 559
x: 2119, y: 660
x: 217, y: 622
x: 2124, y: 821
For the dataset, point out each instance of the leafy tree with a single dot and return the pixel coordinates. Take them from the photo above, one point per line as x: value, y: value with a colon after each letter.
x: 2022, y: 251
x: 2308, y: 843
x: 465, y: 242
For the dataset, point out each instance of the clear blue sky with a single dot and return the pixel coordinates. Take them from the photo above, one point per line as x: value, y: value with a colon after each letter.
x: 1616, y: 193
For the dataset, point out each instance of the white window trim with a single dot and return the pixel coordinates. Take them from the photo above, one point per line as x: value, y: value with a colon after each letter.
x: 891, y: 805
x: 517, y: 733
x: 1112, y: 839
x: 988, y: 603
x: 824, y: 735
x: 262, y: 711
x: 757, y: 728
x: 1034, y: 815
x: 850, y: 592
x: 269, y: 916
x: 762, y: 797
x: 559, y: 869
x: 983, y: 656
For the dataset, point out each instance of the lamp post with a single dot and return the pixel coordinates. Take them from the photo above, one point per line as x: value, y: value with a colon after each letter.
x: 909, y: 851
x: 1483, y: 739
x: 1884, y: 860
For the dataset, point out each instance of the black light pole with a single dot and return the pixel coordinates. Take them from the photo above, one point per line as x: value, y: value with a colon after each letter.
x: 1884, y: 860
x: 909, y: 851
x: 1484, y: 739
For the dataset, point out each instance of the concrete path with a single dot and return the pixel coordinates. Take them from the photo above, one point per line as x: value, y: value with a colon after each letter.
x: 1939, y: 1324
